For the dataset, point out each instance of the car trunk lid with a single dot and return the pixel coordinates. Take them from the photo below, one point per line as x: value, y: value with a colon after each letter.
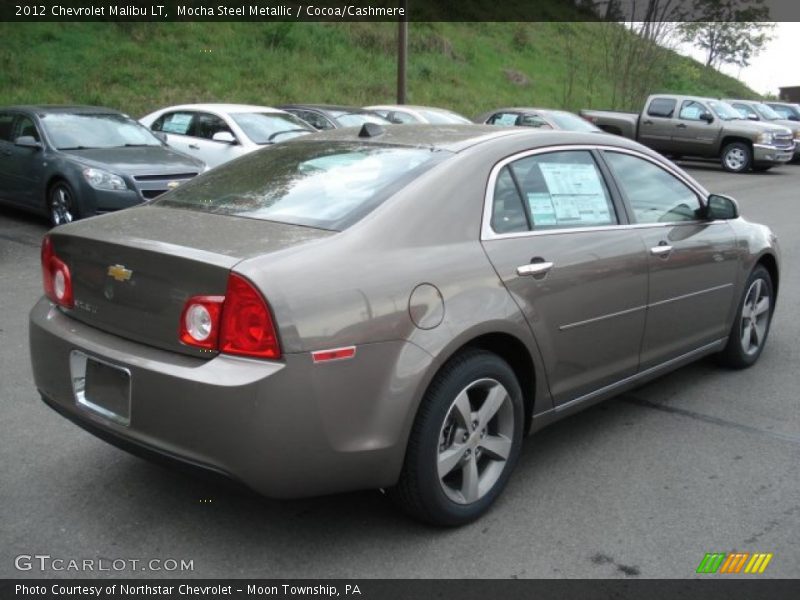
x: 132, y: 273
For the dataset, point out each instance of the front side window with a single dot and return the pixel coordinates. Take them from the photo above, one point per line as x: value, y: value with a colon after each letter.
x: 25, y: 127
x: 691, y: 110
x: 401, y: 117
x: 85, y: 131
x: 329, y: 185
x: 206, y: 126
x: 655, y: 195
x: 533, y: 121
x: 557, y: 190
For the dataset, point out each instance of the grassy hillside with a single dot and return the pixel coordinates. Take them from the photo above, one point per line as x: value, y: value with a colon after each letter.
x: 470, y: 67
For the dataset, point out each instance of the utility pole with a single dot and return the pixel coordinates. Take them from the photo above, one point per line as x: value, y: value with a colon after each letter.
x: 402, y: 53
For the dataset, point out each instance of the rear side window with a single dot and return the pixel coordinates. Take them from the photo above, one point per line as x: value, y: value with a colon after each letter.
x: 557, y: 190
x: 329, y: 185
x: 505, y: 118
x: 655, y: 195
x: 662, y: 107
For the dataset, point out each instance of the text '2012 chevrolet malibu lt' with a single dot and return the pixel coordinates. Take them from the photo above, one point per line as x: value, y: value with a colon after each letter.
x: 393, y: 307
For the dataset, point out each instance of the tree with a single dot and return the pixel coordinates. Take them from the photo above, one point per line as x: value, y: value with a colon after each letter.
x: 729, y: 31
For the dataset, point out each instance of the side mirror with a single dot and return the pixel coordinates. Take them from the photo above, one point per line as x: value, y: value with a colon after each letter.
x: 752, y: 117
x: 707, y: 117
x: 721, y: 208
x: 27, y: 141
x: 225, y: 137
x: 160, y: 135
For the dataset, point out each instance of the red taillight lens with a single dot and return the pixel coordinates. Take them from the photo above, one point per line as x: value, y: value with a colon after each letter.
x: 237, y: 323
x: 56, y: 277
x: 200, y: 321
x: 247, y: 328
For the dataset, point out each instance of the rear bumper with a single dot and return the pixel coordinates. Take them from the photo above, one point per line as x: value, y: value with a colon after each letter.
x: 772, y: 154
x: 286, y: 428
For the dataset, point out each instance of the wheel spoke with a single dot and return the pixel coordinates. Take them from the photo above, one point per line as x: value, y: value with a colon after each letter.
x: 494, y: 400
x: 497, y: 447
x: 463, y: 409
x: 758, y: 333
x: 449, y: 459
x: 747, y: 334
x: 470, y: 480
x: 761, y: 307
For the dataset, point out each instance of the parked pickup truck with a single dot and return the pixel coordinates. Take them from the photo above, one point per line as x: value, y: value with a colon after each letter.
x: 692, y: 126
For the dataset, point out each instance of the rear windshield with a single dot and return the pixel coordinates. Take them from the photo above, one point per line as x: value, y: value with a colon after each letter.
x: 266, y: 128
x: 329, y: 185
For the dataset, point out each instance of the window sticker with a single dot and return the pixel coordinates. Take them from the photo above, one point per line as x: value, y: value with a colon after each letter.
x: 177, y: 123
x: 505, y: 119
x: 577, y: 196
x: 542, y: 210
x: 691, y: 112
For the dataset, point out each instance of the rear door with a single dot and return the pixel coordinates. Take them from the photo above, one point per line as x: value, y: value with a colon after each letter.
x: 552, y: 231
x: 656, y: 123
x: 693, y: 262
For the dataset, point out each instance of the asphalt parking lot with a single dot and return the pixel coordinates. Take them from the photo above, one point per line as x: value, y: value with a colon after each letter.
x: 701, y: 460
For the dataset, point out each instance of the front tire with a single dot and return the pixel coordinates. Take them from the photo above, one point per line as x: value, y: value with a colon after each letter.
x: 465, y: 441
x: 751, y: 325
x: 737, y: 157
x: 62, y: 205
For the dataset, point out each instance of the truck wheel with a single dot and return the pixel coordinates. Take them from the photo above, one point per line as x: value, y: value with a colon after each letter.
x: 737, y: 157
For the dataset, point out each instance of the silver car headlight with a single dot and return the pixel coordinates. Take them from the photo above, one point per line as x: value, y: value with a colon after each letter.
x: 797, y: 135
x: 103, y: 180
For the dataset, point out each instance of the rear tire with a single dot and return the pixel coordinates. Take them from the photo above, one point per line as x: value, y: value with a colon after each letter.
x: 751, y: 326
x: 465, y: 441
x: 737, y: 157
x: 62, y: 205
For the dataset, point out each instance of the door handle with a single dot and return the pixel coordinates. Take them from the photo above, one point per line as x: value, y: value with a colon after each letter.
x: 194, y: 146
x: 661, y: 250
x: 681, y: 125
x: 533, y: 269
x: 647, y: 122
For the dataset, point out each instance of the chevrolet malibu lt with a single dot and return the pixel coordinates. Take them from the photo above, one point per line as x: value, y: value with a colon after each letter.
x: 70, y: 162
x: 394, y: 307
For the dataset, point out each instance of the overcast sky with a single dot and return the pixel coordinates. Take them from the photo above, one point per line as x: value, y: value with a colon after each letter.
x: 777, y: 66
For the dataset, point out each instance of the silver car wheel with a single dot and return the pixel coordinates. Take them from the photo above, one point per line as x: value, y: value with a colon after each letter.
x: 475, y: 441
x: 735, y: 159
x: 61, y: 210
x: 755, y: 317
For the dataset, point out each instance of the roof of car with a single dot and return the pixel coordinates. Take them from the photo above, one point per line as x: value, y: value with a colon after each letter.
x: 324, y: 107
x: 408, y: 107
x: 64, y: 109
x: 226, y: 108
x: 455, y: 138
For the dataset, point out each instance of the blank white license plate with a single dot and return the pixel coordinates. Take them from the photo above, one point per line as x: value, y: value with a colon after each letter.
x: 101, y: 387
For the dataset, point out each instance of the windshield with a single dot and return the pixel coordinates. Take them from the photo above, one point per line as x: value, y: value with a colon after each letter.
x: 329, y: 185
x: 766, y: 112
x: 84, y: 131
x: 265, y: 128
x: 571, y: 122
x: 346, y: 119
x: 724, y: 110
x: 443, y: 117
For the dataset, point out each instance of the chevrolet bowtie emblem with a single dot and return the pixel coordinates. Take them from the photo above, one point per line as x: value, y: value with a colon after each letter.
x: 173, y: 184
x: 119, y: 272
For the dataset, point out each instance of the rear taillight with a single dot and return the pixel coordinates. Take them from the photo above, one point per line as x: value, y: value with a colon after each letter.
x: 237, y: 323
x: 56, y: 276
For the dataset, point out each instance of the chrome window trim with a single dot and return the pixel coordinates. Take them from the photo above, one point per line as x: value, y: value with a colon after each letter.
x: 489, y: 234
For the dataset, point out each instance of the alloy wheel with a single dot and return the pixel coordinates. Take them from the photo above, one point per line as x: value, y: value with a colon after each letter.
x: 475, y: 441
x: 755, y: 317
x: 61, y: 206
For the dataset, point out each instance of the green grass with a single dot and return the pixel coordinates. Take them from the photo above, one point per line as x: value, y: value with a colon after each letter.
x: 470, y: 67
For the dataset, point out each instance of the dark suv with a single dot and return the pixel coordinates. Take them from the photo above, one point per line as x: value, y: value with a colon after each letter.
x: 69, y: 162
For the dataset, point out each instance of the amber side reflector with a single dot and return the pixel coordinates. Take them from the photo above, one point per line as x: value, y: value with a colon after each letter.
x: 333, y: 354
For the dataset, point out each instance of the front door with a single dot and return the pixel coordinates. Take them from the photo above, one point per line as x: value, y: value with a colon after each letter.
x: 693, y: 262
x: 579, y: 279
x: 693, y: 135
